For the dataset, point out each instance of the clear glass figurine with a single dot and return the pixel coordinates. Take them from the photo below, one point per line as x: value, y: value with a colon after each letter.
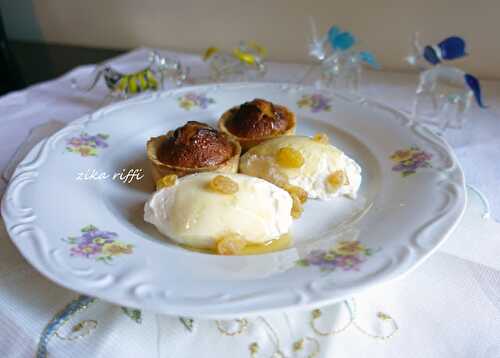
x: 245, y: 62
x: 444, y: 93
x: 151, y: 78
x: 341, y: 64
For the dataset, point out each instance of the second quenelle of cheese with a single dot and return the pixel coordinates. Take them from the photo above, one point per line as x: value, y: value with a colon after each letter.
x: 312, y: 164
x: 192, y: 212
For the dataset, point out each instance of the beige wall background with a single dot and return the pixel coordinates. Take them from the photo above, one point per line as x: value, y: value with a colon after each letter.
x: 383, y: 26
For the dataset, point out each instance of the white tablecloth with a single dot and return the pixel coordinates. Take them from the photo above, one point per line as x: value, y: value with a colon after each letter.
x: 449, y: 307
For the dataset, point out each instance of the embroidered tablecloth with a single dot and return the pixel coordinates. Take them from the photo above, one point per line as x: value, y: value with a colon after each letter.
x: 448, y: 307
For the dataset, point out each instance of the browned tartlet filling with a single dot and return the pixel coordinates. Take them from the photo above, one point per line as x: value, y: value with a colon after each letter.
x: 258, y: 118
x: 195, y: 145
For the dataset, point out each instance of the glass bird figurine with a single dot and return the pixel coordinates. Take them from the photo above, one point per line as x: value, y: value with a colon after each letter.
x: 341, y: 64
x: 245, y: 62
x: 151, y: 78
x: 444, y: 93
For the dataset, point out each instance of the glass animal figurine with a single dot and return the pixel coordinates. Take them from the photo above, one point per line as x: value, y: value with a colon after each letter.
x: 444, y: 93
x: 245, y: 62
x: 341, y: 64
x: 151, y: 78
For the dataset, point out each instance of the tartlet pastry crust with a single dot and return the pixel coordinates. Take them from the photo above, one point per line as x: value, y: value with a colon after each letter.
x: 193, y: 148
x: 257, y: 121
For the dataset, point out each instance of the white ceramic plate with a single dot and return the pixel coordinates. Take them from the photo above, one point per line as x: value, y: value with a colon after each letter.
x: 89, y: 235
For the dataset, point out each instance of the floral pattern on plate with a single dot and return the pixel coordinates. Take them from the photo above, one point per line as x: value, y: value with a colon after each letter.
x: 87, y: 145
x: 409, y: 160
x: 97, y: 244
x: 192, y: 100
x: 316, y: 102
x: 345, y: 255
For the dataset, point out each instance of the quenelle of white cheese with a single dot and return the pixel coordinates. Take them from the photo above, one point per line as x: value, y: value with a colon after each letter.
x: 191, y: 213
x: 322, y: 164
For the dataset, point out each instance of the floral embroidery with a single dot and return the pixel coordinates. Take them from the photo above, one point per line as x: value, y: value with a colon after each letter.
x: 347, y: 255
x: 254, y: 349
x: 191, y: 100
x: 132, y: 313
x: 232, y: 327
x: 97, y: 244
x: 409, y: 160
x: 79, y: 330
x: 187, y: 322
x: 59, y: 320
x: 391, y: 324
x: 316, y: 102
x: 87, y: 145
x: 300, y: 344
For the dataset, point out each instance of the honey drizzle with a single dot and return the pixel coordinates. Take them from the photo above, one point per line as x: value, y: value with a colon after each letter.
x: 282, y: 243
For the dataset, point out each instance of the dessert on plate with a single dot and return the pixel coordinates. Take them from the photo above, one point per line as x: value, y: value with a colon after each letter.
x: 311, y: 164
x: 217, y: 210
x: 231, y: 214
x: 192, y: 148
x: 257, y: 121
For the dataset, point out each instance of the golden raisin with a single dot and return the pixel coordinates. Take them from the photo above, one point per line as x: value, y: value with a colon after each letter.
x: 297, y: 191
x: 166, y: 181
x: 224, y: 185
x: 321, y: 138
x: 230, y: 244
x: 296, y: 207
x: 336, y: 180
x: 288, y: 157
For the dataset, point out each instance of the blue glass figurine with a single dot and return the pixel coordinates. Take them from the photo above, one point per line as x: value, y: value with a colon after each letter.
x: 245, y: 62
x: 449, y: 89
x: 151, y: 78
x: 340, y: 63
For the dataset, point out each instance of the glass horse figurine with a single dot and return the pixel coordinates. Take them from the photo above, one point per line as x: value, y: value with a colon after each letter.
x: 341, y: 64
x: 245, y: 62
x: 444, y: 93
x: 151, y: 78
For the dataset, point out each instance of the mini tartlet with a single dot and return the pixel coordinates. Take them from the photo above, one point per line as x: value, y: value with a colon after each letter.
x: 193, y: 148
x: 257, y: 121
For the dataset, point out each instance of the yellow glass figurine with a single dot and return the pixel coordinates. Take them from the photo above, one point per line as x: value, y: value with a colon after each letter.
x: 151, y: 78
x: 244, y: 62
